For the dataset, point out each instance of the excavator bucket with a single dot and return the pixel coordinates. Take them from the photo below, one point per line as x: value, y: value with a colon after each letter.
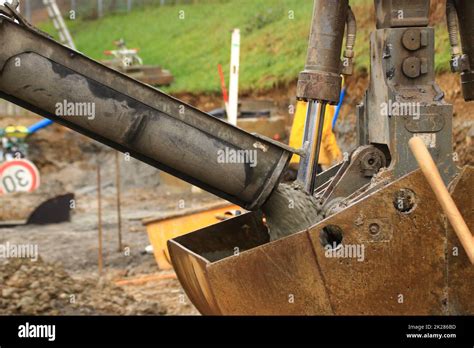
x: 370, y: 258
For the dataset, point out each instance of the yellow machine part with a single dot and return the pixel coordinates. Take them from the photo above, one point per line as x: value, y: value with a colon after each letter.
x: 163, y: 229
x: 16, y: 131
x: 330, y: 151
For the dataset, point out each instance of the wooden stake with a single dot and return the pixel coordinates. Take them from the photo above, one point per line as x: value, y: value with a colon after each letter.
x: 119, y: 211
x: 429, y: 169
x: 99, y: 219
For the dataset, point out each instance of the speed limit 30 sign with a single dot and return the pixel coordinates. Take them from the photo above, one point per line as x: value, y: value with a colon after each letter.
x: 18, y: 176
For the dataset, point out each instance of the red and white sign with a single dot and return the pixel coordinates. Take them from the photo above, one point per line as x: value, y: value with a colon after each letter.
x: 18, y: 176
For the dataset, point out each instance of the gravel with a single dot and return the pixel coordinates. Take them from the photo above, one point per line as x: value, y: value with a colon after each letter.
x: 40, y: 288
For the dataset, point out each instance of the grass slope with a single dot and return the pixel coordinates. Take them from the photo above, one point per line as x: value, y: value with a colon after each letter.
x: 274, y: 40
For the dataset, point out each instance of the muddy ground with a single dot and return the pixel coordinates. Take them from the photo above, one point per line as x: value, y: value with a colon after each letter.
x: 66, y: 279
x: 72, y: 248
x: 69, y: 251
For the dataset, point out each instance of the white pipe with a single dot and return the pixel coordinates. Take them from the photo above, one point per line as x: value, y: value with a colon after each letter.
x: 234, y: 77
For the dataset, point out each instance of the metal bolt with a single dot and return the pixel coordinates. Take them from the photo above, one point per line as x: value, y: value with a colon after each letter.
x: 374, y: 229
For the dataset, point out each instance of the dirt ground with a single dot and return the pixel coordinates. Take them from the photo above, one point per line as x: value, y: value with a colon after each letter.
x: 72, y: 247
x: 66, y: 280
x: 68, y: 163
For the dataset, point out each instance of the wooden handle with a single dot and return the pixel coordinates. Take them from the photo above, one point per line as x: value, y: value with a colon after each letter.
x: 433, y: 177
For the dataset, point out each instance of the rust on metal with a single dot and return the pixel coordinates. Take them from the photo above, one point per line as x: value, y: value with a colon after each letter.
x: 460, y: 273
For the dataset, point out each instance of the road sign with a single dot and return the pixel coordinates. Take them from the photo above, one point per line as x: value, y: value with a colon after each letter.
x: 18, y: 176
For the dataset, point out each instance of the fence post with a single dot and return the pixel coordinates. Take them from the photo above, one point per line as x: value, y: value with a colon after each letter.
x: 74, y: 6
x: 129, y: 5
x: 28, y: 10
x: 100, y: 8
x: 234, y: 77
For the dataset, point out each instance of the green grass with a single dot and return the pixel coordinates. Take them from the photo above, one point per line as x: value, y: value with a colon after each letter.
x: 273, y: 48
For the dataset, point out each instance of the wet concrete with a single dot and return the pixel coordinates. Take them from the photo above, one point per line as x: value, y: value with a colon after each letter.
x: 289, y: 210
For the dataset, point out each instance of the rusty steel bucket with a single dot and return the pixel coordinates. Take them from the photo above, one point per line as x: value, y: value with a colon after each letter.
x: 231, y: 268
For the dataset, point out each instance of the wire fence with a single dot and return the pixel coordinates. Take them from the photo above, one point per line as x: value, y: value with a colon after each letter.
x: 91, y: 9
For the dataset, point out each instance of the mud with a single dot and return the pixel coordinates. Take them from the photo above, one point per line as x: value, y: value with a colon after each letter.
x: 73, y: 247
x: 289, y: 210
x: 41, y: 288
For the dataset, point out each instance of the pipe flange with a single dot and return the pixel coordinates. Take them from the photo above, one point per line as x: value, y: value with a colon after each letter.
x: 371, y: 161
x: 319, y: 85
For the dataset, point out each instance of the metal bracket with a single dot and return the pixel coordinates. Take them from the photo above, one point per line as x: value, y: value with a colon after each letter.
x: 365, y: 162
x: 10, y: 10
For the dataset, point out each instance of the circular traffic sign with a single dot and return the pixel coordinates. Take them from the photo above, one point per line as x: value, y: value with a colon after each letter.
x: 18, y: 176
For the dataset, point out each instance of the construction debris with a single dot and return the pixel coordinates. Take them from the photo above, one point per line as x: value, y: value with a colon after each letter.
x: 40, y: 288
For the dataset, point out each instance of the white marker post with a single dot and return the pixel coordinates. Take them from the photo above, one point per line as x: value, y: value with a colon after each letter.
x: 234, y: 77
